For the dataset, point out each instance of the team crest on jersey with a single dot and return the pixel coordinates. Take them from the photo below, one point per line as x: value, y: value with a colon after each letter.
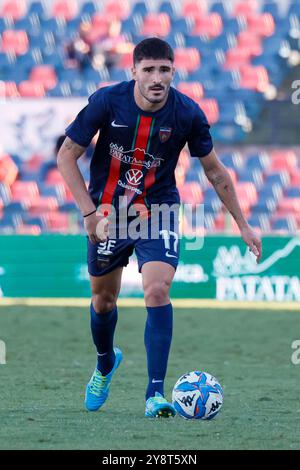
x: 164, y: 134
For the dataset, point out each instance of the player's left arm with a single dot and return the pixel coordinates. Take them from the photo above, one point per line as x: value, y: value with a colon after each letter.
x: 221, y: 180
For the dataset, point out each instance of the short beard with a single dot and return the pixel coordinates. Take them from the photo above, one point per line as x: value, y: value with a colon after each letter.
x: 153, y: 100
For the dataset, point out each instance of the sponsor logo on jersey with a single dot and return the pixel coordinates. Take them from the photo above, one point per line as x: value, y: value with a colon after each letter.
x: 134, y: 176
x: 127, y: 156
x: 164, y: 134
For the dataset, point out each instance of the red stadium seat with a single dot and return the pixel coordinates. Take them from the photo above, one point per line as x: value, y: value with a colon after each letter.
x: 66, y: 9
x: 125, y: 61
x: 14, y: 9
x: 22, y: 190
x: 193, y: 8
x: 8, y: 90
x: 245, y: 8
x: 28, y: 230
x: 262, y: 25
x: 99, y: 26
x: 156, y: 24
x: 28, y: 89
x: 295, y: 178
x: 41, y: 205
x: 254, y: 78
x: 191, y: 193
x: 237, y: 57
x: 246, y: 39
x: 283, y: 160
x: 15, y: 41
x: 210, y: 108
x: 288, y: 205
x: 210, y: 25
x: 246, y: 194
x: 8, y: 169
x: 117, y: 9
x: 187, y: 59
x: 192, y: 89
x: 54, y: 177
x: 58, y: 221
x: 44, y: 74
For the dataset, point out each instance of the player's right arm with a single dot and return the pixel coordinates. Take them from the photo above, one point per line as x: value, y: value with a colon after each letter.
x: 67, y: 158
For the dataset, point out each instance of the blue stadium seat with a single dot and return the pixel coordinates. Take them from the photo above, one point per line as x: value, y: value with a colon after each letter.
x: 272, y: 8
x: 257, y: 160
x: 219, y: 7
x: 167, y: 7
x: 261, y: 221
x: 292, y: 192
x: 14, y: 208
x: 266, y: 207
x: 36, y: 220
x: 281, y: 178
x: 285, y: 223
x: 139, y: 8
x: 68, y: 207
x: 5, y: 193
x: 273, y: 191
x: 255, y: 176
x: 36, y: 8
x: 62, y: 89
x: 232, y: 160
x: 88, y: 8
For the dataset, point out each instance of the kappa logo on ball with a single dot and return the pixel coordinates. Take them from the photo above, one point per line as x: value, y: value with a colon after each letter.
x: 134, y: 176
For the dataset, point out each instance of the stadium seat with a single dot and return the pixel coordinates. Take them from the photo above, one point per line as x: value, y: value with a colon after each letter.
x: 100, y: 25
x: 283, y: 160
x: 186, y: 59
x: 66, y: 9
x: 288, y: 205
x: 29, y: 89
x: 117, y: 9
x: 24, y: 191
x: 15, y: 9
x: 58, y: 222
x: 284, y: 224
x: 15, y: 42
x: 282, y: 178
x: 237, y: 57
x: 5, y: 193
x: 254, y: 78
x: 252, y: 42
x: 191, y: 193
x: 262, y: 25
x: 245, y: 8
x: 156, y: 24
x: 8, y: 90
x: 295, y: 178
x: 192, y: 8
x: 210, y: 25
x: 192, y: 89
x: 8, y: 169
x: 41, y: 205
x: 44, y: 74
x: 292, y: 191
x: 28, y: 230
x: 210, y: 108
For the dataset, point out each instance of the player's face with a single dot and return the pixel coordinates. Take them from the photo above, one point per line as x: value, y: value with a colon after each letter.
x: 154, y: 78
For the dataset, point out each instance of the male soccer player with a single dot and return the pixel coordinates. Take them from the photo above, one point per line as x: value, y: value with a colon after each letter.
x: 144, y: 124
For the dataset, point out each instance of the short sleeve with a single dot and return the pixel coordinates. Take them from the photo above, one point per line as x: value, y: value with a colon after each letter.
x: 89, y: 120
x: 199, y: 140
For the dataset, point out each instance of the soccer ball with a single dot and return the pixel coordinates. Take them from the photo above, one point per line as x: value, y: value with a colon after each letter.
x: 197, y: 395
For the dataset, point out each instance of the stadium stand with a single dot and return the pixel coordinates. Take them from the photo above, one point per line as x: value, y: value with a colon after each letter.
x: 230, y: 57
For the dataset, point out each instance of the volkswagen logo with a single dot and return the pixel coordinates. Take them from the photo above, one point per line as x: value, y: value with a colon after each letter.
x: 134, y: 176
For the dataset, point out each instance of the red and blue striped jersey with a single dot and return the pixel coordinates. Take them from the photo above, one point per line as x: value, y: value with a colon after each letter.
x: 137, y: 151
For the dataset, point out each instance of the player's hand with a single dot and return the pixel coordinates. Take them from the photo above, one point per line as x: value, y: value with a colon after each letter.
x: 96, y: 227
x: 253, y: 240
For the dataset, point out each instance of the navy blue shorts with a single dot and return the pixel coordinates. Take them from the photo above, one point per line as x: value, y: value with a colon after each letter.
x: 159, y: 244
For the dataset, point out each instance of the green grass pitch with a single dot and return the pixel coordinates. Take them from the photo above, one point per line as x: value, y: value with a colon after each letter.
x: 50, y: 357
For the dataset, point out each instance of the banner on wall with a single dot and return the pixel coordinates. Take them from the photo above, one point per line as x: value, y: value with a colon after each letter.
x: 29, y: 126
x: 224, y: 269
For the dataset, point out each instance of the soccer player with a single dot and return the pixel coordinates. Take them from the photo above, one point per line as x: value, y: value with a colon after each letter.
x: 144, y: 124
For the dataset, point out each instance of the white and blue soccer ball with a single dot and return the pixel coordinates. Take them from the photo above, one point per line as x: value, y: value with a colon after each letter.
x: 197, y: 395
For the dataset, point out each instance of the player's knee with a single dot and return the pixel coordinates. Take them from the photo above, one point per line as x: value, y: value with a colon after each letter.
x: 104, y: 302
x: 157, y: 293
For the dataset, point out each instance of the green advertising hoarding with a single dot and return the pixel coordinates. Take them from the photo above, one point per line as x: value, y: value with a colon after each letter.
x: 223, y: 268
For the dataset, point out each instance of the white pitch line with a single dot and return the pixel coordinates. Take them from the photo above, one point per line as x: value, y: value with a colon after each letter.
x: 132, y: 302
